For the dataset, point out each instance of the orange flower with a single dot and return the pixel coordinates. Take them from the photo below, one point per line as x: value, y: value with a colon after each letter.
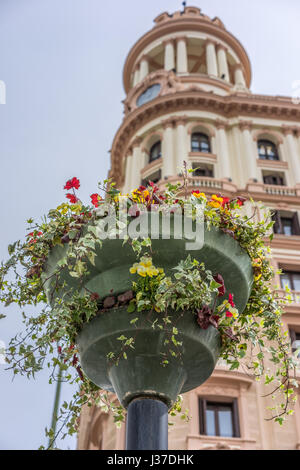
x: 215, y: 201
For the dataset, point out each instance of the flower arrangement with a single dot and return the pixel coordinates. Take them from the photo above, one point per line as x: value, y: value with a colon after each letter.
x: 252, y: 340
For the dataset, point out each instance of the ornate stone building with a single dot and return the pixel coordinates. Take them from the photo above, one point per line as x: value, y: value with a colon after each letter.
x: 188, y: 98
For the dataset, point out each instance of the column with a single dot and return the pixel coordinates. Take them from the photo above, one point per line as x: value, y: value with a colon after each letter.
x: 211, y: 58
x: 222, y: 62
x: 293, y: 152
x: 181, y: 143
x: 136, y: 163
x: 245, y: 127
x: 223, y: 152
x: 169, y: 54
x: 182, y: 58
x: 168, y: 149
x: 144, y: 68
x: 136, y: 76
x: 239, y: 79
x: 128, y: 161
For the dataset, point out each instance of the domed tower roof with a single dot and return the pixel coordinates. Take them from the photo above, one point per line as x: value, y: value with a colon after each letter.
x: 197, y: 29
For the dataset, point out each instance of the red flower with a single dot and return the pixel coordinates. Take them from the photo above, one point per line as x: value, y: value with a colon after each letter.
x: 230, y: 300
x: 241, y: 201
x: 94, y: 296
x: 95, y: 199
x: 142, y: 188
x: 73, y: 199
x: 73, y: 183
x: 153, y: 186
x: 229, y: 314
x: 226, y: 201
x: 74, y: 360
x: 219, y: 279
x: 78, y: 368
x: 33, y: 234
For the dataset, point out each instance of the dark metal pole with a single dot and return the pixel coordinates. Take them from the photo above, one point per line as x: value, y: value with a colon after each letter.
x: 147, y: 425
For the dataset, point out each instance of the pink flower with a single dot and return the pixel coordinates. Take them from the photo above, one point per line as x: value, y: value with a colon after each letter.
x: 219, y: 279
x: 230, y: 300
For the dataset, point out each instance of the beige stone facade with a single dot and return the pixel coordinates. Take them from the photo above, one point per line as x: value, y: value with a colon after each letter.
x: 187, y: 82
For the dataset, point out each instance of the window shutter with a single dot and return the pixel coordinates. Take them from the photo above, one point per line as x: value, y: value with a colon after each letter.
x: 202, y: 412
x: 277, y: 227
x: 236, y: 421
x: 296, y: 227
x: 292, y: 335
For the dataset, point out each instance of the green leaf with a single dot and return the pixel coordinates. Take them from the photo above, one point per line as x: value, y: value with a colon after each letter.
x: 131, y: 307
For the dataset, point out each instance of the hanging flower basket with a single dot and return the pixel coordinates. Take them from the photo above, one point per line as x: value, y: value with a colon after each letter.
x: 140, y: 372
x: 150, y: 312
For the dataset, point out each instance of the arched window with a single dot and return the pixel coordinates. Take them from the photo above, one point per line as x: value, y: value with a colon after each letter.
x: 155, y: 151
x: 200, y: 143
x: 267, y: 150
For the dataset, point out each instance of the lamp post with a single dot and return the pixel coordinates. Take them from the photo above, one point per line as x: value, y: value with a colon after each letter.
x: 147, y: 425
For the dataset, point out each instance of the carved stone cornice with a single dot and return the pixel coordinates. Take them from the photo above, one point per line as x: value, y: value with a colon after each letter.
x: 226, y: 107
x: 136, y: 143
x: 237, y: 67
x: 169, y: 41
x: 221, y: 46
x: 210, y: 41
x: 168, y: 26
x: 287, y: 130
x: 181, y: 38
x: 180, y: 120
x: 245, y: 125
x: 220, y: 124
x: 144, y: 57
x: 170, y: 122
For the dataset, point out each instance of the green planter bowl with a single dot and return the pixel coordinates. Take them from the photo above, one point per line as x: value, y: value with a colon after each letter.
x: 142, y: 374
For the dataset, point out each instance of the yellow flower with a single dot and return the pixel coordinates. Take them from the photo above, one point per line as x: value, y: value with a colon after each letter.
x: 214, y: 204
x: 145, y: 268
x: 257, y: 263
x: 146, y: 262
x: 198, y: 195
x: 133, y: 269
x: 140, y: 196
x: 216, y: 201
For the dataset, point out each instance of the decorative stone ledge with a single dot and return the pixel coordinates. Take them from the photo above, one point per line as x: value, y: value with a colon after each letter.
x: 205, y: 157
x: 199, y: 442
x: 273, y: 164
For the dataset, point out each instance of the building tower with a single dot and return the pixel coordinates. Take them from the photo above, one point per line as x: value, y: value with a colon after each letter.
x: 188, y: 98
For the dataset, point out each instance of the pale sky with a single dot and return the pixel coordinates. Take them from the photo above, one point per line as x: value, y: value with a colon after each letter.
x: 61, y: 61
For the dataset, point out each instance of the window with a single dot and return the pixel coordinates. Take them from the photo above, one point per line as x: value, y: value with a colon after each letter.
x: 291, y: 280
x: 286, y: 224
x: 155, y: 151
x: 219, y: 418
x: 202, y: 170
x: 267, y: 150
x: 274, y: 179
x: 295, y: 341
x: 200, y: 143
x: 155, y: 177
